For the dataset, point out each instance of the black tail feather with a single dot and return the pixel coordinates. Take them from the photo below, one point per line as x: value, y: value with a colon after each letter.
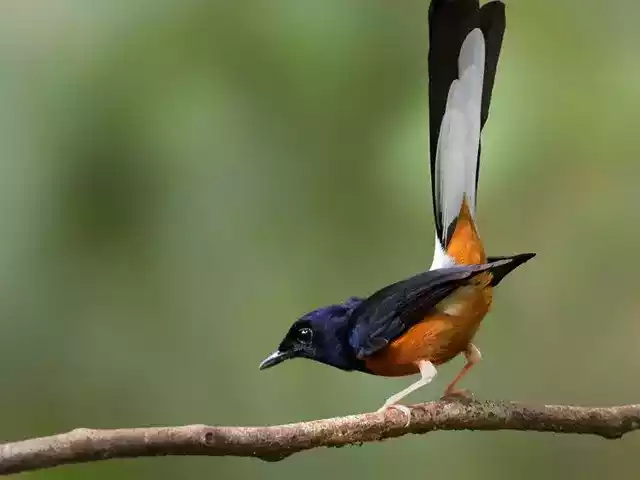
x: 450, y: 21
x: 492, y: 24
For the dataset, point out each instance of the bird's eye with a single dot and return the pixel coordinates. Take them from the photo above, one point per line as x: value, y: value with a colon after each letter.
x: 305, y: 335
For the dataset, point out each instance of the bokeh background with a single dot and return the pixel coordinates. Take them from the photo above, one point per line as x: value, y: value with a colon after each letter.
x: 180, y: 180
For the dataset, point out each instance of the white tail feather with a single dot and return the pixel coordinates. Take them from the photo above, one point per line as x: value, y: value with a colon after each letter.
x: 440, y: 257
x: 459, y: 139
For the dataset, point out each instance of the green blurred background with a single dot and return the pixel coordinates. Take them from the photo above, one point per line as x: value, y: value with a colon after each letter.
x: 180, y: 180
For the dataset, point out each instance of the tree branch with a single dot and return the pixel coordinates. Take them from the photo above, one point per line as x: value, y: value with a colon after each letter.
x: 278, y: 442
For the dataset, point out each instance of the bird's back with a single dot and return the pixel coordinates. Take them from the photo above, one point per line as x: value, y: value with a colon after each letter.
x: 443, y: 332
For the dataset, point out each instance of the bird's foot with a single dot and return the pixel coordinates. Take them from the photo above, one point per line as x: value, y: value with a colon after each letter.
x: 401, y: 408
x: 462, y: 396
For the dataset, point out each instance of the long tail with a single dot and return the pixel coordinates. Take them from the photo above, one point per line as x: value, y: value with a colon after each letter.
x: 465, y: 43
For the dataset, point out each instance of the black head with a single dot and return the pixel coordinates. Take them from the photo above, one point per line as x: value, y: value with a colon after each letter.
x: 321, y: 335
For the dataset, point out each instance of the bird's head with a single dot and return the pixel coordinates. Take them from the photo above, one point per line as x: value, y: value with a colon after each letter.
x: 320, y: 335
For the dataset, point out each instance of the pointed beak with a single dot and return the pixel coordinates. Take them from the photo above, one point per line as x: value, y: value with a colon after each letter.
x: 275, y: 358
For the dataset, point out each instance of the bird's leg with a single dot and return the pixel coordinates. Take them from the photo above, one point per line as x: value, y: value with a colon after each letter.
x: 427, y: 373
x: 473, y: 356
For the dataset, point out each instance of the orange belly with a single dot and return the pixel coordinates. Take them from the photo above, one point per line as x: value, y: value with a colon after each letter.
x: 438, y: 338
x: 442, y: 336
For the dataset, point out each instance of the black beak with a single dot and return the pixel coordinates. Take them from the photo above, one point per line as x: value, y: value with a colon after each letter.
x: 275, y: 358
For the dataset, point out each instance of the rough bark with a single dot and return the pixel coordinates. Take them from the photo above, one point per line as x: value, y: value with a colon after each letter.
x: 274, y: 443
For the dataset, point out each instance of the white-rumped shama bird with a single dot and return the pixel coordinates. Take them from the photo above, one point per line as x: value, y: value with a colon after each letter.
x: 416, y: 324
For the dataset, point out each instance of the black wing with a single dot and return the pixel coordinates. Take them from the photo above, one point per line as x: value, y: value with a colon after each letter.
x: 450, y: 21
x: 390, y: 312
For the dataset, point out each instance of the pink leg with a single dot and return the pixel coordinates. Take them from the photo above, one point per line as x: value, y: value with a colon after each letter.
x: 473, y: 356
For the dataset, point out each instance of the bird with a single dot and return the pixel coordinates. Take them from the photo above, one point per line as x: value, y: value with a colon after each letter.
x: 421, y: 322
